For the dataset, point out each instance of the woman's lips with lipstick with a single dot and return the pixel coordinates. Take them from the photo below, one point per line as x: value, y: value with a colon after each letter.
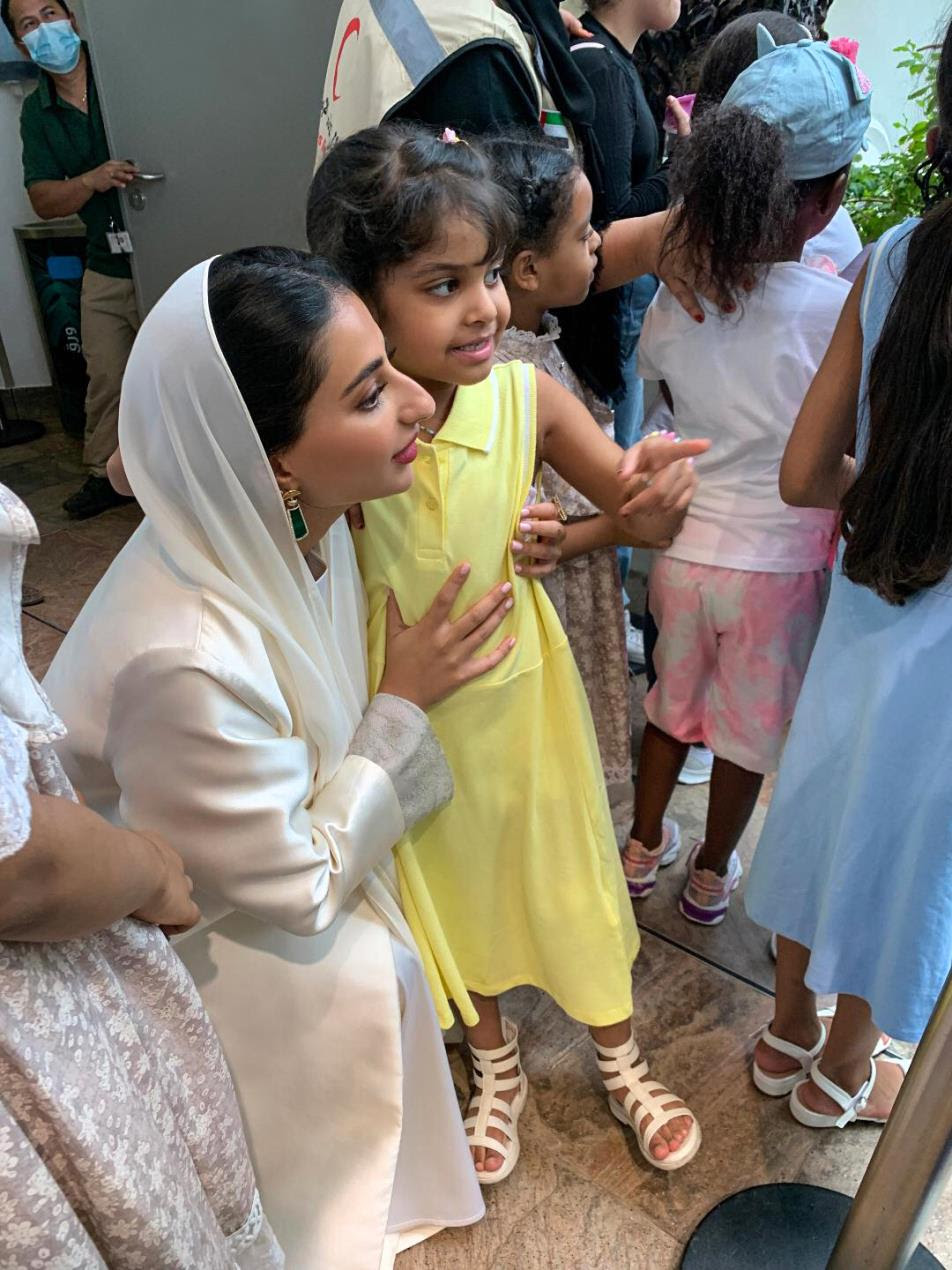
x: 477, y: 351
x: 408, y: 453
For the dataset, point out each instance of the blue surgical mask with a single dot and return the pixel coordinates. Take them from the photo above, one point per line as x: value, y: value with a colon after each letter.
x: 54, y: 46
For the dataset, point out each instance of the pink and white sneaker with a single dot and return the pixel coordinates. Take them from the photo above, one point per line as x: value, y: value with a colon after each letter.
x: 706, y: 896
x: 641, y: 866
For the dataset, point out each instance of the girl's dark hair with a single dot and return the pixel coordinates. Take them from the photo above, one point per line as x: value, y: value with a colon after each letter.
x: 384, y: 194
x: 897, y: 518
x: 539, y: 177
x: 269, y: 307
x: 739, y: 206
x: 734, y: 49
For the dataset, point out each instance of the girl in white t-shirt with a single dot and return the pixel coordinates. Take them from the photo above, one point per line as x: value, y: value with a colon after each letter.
x: 738, y: 596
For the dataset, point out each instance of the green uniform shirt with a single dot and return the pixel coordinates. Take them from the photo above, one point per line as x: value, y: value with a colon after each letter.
x: 59, y: 141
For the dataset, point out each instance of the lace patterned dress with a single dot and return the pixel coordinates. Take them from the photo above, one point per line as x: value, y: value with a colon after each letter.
x: 121, y: 1144
x: 586, y: 591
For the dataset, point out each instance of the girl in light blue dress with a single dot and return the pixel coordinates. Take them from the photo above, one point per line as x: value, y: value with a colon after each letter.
x: 854, y: 867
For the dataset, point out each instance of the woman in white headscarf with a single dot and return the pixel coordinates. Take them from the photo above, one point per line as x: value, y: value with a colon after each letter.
x: 214, y: 689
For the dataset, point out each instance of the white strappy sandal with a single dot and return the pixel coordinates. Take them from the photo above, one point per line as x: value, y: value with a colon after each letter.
x: 852, y: 1104
x: 779, y: 1086
x: 645, y: 1108
x: 493, y: 1112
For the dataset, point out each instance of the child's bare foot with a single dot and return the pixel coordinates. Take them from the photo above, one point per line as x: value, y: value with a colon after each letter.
x: 889, y: 1078
x: 776, y: 1064
x: 670, y: 1136
x: 646, y: 1106
x: 484, y: 1158
x: 496, y: 1104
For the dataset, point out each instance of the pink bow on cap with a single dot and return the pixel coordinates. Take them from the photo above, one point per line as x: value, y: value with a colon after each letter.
x: 850, y: 48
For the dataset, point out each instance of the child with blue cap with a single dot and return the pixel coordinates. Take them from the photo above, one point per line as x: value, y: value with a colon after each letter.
x: 731, y: 51
x: 738, y: 596
x: 817, y: 99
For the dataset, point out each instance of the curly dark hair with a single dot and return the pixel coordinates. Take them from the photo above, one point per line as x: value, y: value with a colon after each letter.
x: 539, y: 176
x: 738, y: 203
x: 734, y: 49
x: 384, y: 194
x: 897, y: 517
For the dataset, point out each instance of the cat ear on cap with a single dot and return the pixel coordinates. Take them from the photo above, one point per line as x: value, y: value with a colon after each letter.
x: 765, y: 41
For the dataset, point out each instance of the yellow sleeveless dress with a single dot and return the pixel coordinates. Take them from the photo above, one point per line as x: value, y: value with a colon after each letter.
x: 518, y: 880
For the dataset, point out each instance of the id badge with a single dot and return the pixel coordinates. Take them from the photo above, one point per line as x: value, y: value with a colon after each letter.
x: 112, y: 238
x: 125, y: 241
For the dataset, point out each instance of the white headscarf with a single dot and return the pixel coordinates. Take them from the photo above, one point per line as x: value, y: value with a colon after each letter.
x: 201, y: 475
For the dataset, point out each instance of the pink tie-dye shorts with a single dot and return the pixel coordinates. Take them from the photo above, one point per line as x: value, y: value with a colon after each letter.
x: 732, y: 650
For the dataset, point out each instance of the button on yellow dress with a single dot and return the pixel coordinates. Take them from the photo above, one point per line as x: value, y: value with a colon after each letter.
x: 518, y: 880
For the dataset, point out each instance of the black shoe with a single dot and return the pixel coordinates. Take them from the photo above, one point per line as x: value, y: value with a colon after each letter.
x: 96, y: 496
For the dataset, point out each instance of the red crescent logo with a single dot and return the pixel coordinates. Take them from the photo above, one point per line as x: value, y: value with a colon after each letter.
x: 353, y: 28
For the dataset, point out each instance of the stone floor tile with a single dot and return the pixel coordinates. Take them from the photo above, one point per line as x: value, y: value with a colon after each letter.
x: 40, y: 643
x: 65, y: 568
x: 111, y: 530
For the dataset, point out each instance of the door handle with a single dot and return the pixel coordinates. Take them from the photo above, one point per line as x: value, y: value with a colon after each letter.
x: 150, y: 176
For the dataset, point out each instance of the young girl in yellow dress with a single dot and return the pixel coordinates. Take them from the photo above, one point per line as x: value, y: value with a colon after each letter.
x: 518, y: 880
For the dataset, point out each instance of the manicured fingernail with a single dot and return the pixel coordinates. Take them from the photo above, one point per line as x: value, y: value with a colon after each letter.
x: 506, y: 588
x: 517, y: 546
x: 730, y: 308
x: 508, y: 605
x: 518, y: 568
x: 691, y: 460
x: 524, y: 527
x: 465, y: 570
x: 699, y: 317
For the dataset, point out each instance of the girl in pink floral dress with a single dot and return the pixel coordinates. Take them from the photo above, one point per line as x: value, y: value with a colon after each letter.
x: 121, y: 1143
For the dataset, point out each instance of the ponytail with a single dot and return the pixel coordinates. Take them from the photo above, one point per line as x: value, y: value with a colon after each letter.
x: 739, y: 205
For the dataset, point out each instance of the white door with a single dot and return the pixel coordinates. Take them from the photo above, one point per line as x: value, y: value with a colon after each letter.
x: 219, y: 102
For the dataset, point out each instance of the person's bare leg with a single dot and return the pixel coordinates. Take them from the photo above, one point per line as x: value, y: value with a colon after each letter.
x: 845, y: 1061
x: 659, y: 762
x: 795, y: 1017
x: 671, y: 1136
x: 731, y: 803
x: 487, y: 1034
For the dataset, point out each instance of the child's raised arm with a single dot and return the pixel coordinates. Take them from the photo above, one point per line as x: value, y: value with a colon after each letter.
x: 817, y: 470
x: 619, y: 482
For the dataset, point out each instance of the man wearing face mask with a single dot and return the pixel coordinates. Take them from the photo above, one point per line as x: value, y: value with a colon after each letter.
x: 67, y: 170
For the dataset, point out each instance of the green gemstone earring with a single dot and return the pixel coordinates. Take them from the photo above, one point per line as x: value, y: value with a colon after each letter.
x: 295, y: 515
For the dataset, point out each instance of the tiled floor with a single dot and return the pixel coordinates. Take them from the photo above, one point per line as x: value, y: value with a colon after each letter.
x: 581, y: 1197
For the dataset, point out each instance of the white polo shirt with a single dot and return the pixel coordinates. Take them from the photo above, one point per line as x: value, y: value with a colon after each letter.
x: 740, y: 380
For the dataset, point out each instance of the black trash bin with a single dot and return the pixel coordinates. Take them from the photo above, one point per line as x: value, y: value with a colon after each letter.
x: 54, y: 254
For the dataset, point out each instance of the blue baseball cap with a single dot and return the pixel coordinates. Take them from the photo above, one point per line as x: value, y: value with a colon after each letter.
x: 814, y: 96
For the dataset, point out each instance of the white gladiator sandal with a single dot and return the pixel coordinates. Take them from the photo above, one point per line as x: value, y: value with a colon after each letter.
x: 645, y: 1109
x: 493, y: 1112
